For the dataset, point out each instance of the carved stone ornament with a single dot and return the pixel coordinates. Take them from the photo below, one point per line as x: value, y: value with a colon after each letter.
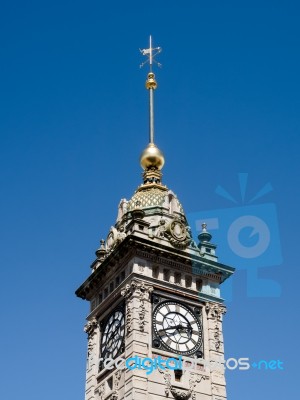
x: 101, y: 391
x: 121, y: 235
x: 215, y: 312
x: 111, y: 239
x: 167, y: 380
x: 160, y: 233
x: 126, y: 293
x: 115, y: 237
x: 141, y: 269
x: 118, y: 375
x: 151, y: 228
x: 122, y: 209
x: 178, y: 393
x: 178, y: 234
x: 115, y: 393
x: 90, y: 329
x: 194, y: 379
x: 143, y: 291
x: 217, y: 338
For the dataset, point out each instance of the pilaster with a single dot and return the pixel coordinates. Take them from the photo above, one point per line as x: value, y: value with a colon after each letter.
x: 138, y: 331
x: 215, y: 312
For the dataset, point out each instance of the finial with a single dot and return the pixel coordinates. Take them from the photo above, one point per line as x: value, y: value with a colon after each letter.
x: 151, y: 158
x: 151, y: 82
x: 101, y: 252
x: 204, y: 236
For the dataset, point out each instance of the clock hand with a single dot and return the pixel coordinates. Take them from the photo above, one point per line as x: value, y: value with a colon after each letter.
x: 171, y: 327
x: 185, y: 327
x: 176, y: 330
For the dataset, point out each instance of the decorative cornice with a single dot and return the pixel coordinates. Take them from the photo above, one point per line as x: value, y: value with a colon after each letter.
x: 158, y: 253
x: 184, y: 265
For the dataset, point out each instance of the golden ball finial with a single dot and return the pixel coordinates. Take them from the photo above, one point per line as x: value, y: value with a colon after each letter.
x: 152, y: 157
x: 151, y: 82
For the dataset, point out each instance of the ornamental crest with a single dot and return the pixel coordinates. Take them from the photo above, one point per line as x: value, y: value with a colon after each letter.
x: 178, y: 234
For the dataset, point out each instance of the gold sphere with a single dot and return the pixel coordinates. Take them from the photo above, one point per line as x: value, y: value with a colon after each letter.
x: 151, y: 82
x: 152, y: 157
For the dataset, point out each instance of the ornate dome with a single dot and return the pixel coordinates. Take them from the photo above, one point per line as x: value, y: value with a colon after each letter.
x: 154, y: 196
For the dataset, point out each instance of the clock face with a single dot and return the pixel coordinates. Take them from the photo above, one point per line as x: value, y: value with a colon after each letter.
x: 177, y: 328
x: 113, y: 335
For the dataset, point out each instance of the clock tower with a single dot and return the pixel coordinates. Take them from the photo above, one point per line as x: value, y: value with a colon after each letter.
x: 155, y: 323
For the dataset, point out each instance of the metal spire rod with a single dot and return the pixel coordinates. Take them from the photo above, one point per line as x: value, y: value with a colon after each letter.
x: 151, y: 116
x: 151, y: 84
x: 151, y: 50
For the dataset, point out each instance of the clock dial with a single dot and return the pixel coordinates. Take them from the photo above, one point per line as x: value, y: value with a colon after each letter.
x: 177, y: 328
x: 113, y: 335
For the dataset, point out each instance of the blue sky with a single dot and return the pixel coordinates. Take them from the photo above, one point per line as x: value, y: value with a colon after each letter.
x: 73, y: 121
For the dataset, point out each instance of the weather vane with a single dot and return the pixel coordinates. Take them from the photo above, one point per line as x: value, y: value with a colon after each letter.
x: 151, y: 53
